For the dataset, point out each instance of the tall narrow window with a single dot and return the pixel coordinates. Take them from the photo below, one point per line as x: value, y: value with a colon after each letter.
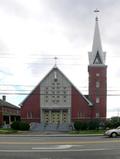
x: 97, y: 115
x: 97, y: 100
x: 55, y: 76
x: 29, y: 115
x: 97, y: 84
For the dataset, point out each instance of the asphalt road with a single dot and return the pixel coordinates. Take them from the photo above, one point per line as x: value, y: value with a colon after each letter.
x: 59, y: 147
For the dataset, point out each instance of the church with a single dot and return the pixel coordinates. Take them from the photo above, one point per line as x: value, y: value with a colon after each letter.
x: 56, y: 101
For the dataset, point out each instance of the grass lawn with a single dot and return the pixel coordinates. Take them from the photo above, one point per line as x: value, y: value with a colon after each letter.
x: 82, y: 132
x: 7, y: 131
x: 88, y: 132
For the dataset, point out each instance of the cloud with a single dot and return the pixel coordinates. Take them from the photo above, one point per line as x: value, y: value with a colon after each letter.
x: 13, y: 7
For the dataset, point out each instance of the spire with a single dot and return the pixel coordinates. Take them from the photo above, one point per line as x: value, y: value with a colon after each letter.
x: 97, y: 56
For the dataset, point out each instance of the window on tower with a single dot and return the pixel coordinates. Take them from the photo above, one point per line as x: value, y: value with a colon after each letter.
x: 97, y: 74
x: 97, y: 115
x: 97, y: 84
x: 97, y: 59
x: 97, y: 100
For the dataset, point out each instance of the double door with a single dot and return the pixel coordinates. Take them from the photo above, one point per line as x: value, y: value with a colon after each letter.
x: 55, y: 116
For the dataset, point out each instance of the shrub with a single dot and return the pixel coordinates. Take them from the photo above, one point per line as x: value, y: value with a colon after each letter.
x: 15, y: 125
x: 77, y: 125
x: 24, y: 126
x: 20, y: 125
x: 84, y: 126
x: 94, y: 124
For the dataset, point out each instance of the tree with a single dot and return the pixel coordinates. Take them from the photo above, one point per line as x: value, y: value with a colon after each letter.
x: 113, y: 122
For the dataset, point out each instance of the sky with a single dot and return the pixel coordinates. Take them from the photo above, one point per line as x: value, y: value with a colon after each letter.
x: 33, y: 32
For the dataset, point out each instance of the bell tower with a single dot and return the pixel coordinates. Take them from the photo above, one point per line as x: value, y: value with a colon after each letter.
x: 97, y: 76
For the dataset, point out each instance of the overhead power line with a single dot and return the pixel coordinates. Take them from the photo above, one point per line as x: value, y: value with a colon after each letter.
x: 52, y: 94
x: 48, y: 56
x: 24, y: 90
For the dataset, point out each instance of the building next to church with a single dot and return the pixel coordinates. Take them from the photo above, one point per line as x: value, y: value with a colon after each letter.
x: 8, y: 112
x: 55, y: 100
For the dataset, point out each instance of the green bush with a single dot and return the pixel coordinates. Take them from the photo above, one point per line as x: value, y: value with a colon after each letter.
x: 20, y: 125
x: 84, y: 126
x: 15, y: 125
x: 24, y: 126
x: 81, y: 125
x: 77, y: 125
x: 91, y: 125
x: 94, y: 124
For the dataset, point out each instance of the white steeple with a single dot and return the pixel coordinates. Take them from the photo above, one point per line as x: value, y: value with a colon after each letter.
x: 97, y: 56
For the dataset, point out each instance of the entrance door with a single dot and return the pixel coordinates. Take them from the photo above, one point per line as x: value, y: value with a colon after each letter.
x: 55, y: 118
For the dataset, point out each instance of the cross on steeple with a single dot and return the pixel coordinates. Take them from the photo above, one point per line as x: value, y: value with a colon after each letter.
x: 55, y: 58
x: 96, y: 11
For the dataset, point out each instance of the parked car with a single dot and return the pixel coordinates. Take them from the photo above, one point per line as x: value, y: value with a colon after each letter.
x: 113, y: 132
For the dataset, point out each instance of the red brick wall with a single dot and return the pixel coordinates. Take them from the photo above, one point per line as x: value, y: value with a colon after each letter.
x: 98, y: 92
x: 80, y: 108
x: 31, y: 105
x: 11, y: 111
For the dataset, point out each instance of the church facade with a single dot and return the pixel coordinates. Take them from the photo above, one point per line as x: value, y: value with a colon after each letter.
x: 56, y: 100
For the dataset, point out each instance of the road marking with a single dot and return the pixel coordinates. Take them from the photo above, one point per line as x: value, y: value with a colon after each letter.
x: 55, y: 147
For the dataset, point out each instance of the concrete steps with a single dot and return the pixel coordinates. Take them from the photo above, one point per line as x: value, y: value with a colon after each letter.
x: 49, y: 127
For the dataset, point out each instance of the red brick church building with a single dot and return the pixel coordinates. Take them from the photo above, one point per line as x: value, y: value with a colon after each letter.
x: 55, y: 100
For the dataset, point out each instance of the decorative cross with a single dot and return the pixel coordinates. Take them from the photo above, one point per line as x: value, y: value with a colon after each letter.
x: 55, y: 58
x: 96, y: 11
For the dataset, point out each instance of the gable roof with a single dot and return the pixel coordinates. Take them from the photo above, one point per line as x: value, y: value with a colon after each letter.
x: 6, y: 104
x: 56, y: 68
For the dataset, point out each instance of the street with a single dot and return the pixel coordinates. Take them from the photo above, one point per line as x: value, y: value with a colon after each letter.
x: 59, y: 147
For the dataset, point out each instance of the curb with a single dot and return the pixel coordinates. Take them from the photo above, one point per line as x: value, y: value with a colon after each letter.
x: 50, y: 135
